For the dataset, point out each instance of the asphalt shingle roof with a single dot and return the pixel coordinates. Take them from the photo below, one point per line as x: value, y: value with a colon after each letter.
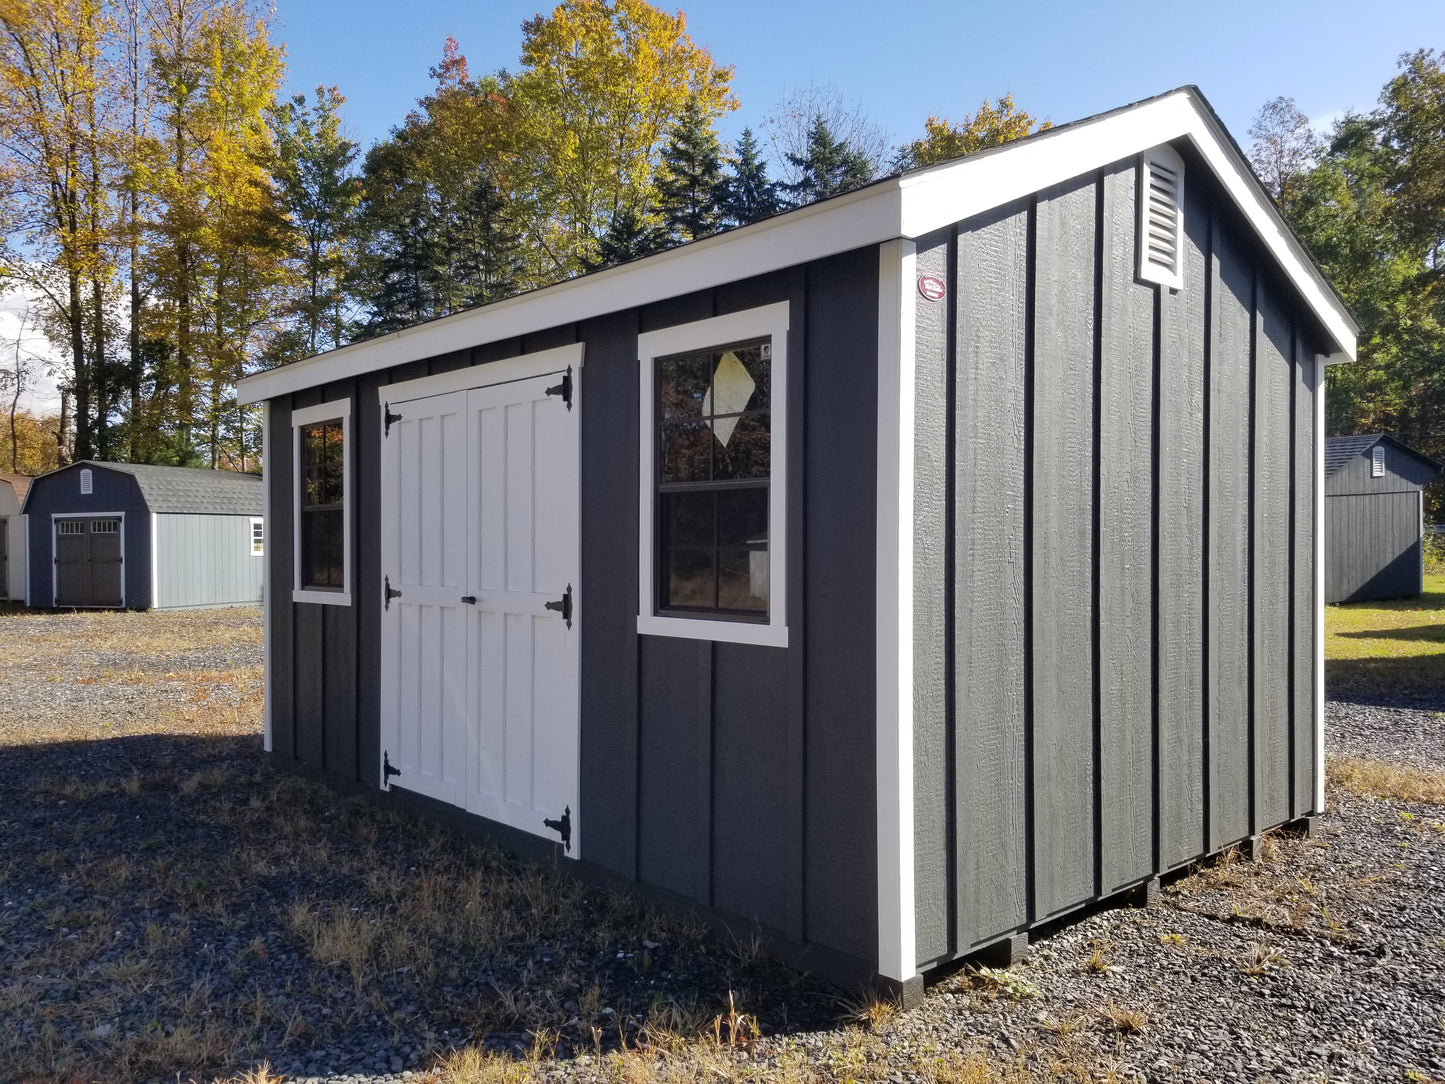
x: 1340, y: 450
x: 18, y: 482
x: 192, y: 490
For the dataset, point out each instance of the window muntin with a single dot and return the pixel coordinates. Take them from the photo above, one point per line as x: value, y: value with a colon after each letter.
x: 71, y: 526
x: 105, y: 526
x: 712, y: 502
x: 322, y: 479
x: 258, y: 537
x: 323, y: 490
x: 713, y: 442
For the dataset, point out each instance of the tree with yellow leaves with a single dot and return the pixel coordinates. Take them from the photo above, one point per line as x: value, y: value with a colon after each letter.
x: 994, y: 123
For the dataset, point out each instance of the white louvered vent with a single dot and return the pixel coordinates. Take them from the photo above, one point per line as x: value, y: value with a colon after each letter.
x: 1377, y: 462
x: 1161, y: 218
x: 87, y: 484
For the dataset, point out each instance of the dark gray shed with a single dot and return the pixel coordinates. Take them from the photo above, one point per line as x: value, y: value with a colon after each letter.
x: 1374, y: 518
x: 136, y: 536
x: 897, y: 574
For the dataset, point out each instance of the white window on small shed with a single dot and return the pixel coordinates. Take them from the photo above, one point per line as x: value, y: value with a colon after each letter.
x: 1161, y: 217
x: 258, y: 537
x: 87, y: 483
x: 1377, y: 462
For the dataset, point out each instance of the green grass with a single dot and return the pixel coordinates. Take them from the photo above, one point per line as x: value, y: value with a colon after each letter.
x: 1384, y: 646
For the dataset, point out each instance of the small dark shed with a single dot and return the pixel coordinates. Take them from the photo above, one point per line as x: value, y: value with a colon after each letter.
x: 135, y: 536
x: 897, y: 574
x: 1374, y: 518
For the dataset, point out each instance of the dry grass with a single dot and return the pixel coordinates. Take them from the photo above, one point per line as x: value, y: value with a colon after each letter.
x: 142, y: 638
x: 1386, y: 779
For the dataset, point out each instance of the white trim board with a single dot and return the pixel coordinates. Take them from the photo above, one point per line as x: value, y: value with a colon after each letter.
x: 898, y: 207
x: 337, y: 408
x: 1319, y: 615
x: 268, y: 669
x: 897, y: 317
x: 522, y: 367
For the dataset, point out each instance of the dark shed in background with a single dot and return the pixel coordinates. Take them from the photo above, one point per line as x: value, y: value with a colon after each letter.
x: 138, y: 537
x: 1374, y: 518
x: 1043, y: 607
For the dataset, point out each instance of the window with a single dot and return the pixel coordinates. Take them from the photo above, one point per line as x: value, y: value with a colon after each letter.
x: 70, y: 526
x: 258, y: 537
x: 1377, y: 462
x: 1161, y: 218
x: 105, y: 526
x: 713, y: 476
x: 323, y: 519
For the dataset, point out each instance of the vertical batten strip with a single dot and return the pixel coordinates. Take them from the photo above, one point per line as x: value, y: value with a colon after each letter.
x: 266, y: 608
x: 897, y: 957
x: 1319, y: 481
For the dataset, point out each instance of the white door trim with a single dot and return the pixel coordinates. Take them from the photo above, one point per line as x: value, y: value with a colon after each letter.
x: 487, y: 375
x: 57, y: 516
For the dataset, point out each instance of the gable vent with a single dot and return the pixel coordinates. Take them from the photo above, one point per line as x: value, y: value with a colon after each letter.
x: 87, y: 485
x: 1161, y: 218
x: 1377, y: 462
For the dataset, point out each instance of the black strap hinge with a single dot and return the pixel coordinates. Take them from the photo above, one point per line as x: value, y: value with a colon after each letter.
x: 563, y: 606
x: 564, y: 389
x: 388, y: 417
x: 562, y: 827
x: 387, y: 771
x: 390, y: 592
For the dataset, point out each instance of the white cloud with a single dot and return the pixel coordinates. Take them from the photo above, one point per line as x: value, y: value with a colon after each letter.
x: 41, y: 396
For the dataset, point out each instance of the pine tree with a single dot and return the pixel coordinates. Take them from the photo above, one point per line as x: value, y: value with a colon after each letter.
x: 829, y: 167
x: 489, y: 263
x: 689, y: 184
x: 629, y: 237
x: 748, y: 194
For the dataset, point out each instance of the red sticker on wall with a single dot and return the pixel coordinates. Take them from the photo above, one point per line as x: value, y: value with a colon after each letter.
x: 931, y: 287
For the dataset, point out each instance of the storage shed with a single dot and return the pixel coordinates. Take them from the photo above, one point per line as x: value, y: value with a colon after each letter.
x: 135, y: 536
x: 12, y: 536
x: 898, y: 574
x: 1374, y: 518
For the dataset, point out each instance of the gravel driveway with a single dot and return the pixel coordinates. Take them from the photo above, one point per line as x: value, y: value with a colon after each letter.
x: 166, y: 895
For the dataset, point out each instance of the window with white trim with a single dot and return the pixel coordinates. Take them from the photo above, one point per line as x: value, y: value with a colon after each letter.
x: 258, y: 537
x: 322, y: 481
x: 1161, y: 217
x: 713, y: 478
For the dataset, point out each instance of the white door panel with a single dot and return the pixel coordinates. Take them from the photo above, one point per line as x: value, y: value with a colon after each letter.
x: 480, y: 674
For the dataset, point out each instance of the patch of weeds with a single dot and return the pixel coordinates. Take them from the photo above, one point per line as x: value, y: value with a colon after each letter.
x: 1175, y: 940
x: 1386, y: 779
x: 1123, y: 1019
x: 1261, y: 957
x: 1000, y: 981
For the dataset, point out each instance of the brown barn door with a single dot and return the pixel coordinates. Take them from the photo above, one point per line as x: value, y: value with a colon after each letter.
x: 88, y: 562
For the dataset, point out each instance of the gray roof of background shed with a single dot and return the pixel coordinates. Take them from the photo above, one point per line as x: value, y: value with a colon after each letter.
x: 1340, y: 450
x: 191, y: 489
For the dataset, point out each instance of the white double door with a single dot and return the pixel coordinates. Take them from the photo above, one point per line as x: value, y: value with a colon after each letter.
x: 479, y: 684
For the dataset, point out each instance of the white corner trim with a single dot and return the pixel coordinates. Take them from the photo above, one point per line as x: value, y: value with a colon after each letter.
x: 337, y: 408
x: 155, y: 562
x: 772, y: 321
x: 506, y: 371
x: 268, y: 666
x: 897, y: 314
x: 1319, y: 698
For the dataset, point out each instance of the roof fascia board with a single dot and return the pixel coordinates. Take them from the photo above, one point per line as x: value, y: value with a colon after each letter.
x: 972, y: 186
x: 812, y: 233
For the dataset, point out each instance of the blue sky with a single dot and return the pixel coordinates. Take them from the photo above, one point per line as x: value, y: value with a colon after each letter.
x: 901, y: 62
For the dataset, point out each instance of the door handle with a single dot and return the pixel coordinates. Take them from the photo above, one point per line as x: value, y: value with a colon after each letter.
x: 470, y: 600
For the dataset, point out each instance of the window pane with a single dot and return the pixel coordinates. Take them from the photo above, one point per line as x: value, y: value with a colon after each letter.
x: 743, y: 580
x: 682, y: 383
x: 687, y: 520
x: 688, y: 579
x: 761, y: 370
x: 743, y: 518
x: 322, y: 549
x: 685, y: 452
x: 745, y: 454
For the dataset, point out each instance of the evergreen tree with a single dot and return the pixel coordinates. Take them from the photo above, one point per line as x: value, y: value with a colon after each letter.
x: 690, y: 182
x: 489, y: 261
x: 829, y: 167
x: 629, y: 236
x: 748, y: 194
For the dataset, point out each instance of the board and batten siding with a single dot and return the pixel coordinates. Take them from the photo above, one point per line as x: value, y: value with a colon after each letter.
x: 58, y: 494
x: 1374, y: 542
x: 205, y: 560
x: 737, y: 777
x: 1114, y: 633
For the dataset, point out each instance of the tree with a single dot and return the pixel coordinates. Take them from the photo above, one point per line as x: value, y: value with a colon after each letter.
x: 1412, y: 128
x: 748, y: 194
x: 600, y: 83
x: 630, y: 236
x: 791, y: 123
x: 1285, y: 147
x: 829, y: 166
x: 992, y: 125
x: 690, y: 180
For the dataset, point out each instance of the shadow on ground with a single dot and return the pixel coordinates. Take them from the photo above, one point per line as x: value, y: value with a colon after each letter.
x: 176, y: 905
x: 1412, y: 681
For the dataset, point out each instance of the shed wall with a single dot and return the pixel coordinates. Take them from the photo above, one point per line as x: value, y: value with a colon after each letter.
x: 59, y: 493
x: 738, y: 777
x: 205, y: 561
x: 1373, y: 546
x: 1118, y: 675
x: 12, y: 526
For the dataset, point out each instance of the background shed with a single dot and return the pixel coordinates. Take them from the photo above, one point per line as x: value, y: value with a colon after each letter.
x: 12, y: 535
x: 137, y: 536
x: 1374, y: 518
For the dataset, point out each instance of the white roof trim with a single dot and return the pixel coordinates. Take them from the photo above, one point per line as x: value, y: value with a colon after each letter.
x: 901, y: 207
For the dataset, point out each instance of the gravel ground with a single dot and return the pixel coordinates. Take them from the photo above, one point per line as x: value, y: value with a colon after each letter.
x: 164, y: 890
